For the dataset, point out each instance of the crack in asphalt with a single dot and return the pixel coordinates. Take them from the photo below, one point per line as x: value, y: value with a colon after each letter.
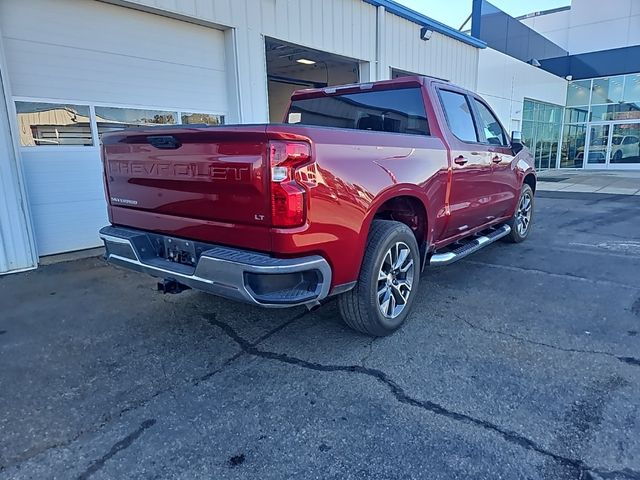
x: 569, y: 276
x: 260, y: 339
x: 29, y: 454
x: 401, y: 396
x: 120, y: 445
x: 628, y: 360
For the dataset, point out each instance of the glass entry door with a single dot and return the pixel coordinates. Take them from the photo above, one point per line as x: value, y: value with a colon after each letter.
x: 613, y: 145
x: 598, y: 145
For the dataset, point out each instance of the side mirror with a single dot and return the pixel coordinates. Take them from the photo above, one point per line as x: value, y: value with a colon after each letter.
x: 516, y: 141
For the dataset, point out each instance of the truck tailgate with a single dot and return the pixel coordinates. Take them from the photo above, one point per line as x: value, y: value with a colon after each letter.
x: 216, y: 174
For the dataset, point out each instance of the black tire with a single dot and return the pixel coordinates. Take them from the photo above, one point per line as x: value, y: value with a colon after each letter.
x: 360, y: 307
x: 617, y: 156
x: 517, y: 235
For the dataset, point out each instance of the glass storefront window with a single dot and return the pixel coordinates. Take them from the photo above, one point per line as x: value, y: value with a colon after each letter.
x: 605, y: 112
x: 573, y: 142
x: 632, y: 88
x: 578, y: 93
x: 53, y: 124
x: 625, y: 143
x: 116, y: 118
x: 616, y: 111
x: 576, y: 115
x: 541, y: 132
x: 528, y: 132
x: 206, y: 118
x: 527, y: 110
x: 607, y: 90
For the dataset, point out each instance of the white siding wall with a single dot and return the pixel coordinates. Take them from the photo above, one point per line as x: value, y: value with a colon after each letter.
x: 441, y: 56
x: 93, y: 52
x: 17, y: 250
x: 504, y: 82
x: 86, y: 52
x: 554, y: 26
x: 597, y: 25
x: 343, y: 27
x: 591, y: 25
x: 90, y: 52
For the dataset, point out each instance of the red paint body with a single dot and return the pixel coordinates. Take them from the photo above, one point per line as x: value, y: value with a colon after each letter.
x: 215, y: 187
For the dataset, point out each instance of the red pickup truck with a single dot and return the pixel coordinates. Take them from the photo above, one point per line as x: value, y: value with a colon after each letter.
x: 360, y: 188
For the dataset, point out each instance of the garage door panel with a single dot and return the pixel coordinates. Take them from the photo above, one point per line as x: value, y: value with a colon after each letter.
x: 59, y: 177
x: 99, y: 27
x: 110, y: 78
x: 74, y: 226
x: 91, y: 53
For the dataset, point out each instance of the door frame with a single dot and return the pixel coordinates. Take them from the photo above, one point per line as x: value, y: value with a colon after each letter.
x: 587, y: 146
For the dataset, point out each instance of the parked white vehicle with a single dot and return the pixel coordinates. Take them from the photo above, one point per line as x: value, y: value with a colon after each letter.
x: 622, y: 146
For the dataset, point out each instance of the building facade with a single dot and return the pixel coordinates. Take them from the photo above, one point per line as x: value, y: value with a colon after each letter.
x: 601, y: 121
x: 74, y: 69
x: 71, y: 70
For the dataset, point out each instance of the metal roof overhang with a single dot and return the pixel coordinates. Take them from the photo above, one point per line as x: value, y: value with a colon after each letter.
x: 424, y: 21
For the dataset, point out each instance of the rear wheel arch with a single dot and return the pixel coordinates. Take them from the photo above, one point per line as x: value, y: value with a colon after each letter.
x: 387, y: 207
x: 530, y: 179
x: 402, y: 207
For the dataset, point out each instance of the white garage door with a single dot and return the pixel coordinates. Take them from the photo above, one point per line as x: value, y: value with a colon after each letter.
x: 78, y: 68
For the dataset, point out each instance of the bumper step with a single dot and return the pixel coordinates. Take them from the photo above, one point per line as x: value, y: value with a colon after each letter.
x: 242, y: 275
x: 451, y: 255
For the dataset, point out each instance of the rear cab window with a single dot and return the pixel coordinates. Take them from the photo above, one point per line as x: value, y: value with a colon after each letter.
x: 394, y: 111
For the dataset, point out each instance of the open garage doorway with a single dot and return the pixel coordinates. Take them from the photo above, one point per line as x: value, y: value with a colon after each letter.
x: 292, y: 67
x: 397, y: 73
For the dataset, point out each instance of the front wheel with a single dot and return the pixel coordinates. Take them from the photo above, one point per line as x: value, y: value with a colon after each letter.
x: 521, y: 221
x: 381, y: 300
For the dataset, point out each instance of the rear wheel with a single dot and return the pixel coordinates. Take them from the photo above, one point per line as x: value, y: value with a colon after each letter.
x: 521, y: 221
x: 381, y: 300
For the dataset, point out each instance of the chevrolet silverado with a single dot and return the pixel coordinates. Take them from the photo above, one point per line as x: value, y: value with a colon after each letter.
x: 360, y: 189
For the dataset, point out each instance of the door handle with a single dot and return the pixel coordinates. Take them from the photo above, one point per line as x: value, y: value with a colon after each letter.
x: 460, y: 160
x: 496, y: 159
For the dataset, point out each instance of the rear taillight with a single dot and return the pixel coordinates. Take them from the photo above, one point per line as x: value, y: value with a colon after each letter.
x: 287, y: 196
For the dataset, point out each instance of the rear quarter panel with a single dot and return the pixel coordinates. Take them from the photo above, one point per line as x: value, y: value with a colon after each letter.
x: 355, y: 172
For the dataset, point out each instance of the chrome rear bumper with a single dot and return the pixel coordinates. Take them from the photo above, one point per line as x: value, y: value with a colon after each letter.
x: 241, y: 275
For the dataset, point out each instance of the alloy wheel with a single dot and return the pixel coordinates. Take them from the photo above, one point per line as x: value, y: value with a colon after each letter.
x: 395, y: 280
x: 523, y: 217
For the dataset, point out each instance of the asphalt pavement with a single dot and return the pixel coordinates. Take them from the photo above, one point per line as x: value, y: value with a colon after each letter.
x: 522, y: 361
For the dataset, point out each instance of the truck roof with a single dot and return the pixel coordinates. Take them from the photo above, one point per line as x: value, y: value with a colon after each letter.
x: 400, y: 82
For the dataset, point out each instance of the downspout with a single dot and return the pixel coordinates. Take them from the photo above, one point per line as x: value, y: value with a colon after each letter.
x: 380, y: 34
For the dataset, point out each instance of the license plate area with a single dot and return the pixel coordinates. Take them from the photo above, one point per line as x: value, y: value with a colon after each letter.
x: 180, y: 251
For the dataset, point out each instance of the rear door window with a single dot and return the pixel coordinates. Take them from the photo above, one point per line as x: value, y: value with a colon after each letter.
x: 459, y: 118
x: 394, y: 111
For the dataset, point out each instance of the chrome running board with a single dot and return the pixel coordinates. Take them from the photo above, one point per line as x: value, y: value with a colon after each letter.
x: 478, y: 242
